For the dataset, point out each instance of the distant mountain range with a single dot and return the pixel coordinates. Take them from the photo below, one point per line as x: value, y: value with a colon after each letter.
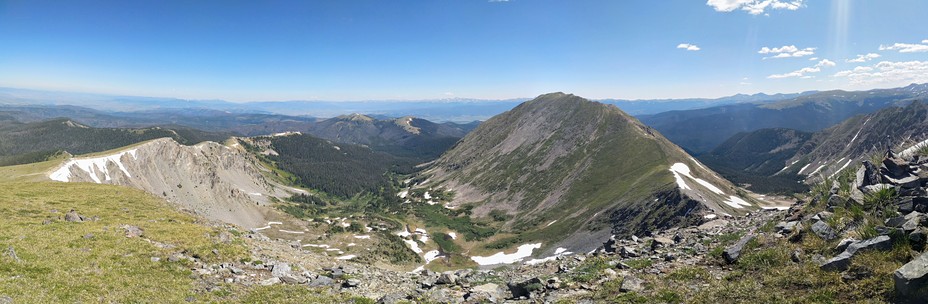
x: 451, y: 109
x: 701, y: 130
x: 777, y: 160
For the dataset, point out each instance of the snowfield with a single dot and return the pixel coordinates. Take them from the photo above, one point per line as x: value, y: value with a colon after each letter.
x: 679, y: 169
x: 93, y: 167
x: 523, y: 251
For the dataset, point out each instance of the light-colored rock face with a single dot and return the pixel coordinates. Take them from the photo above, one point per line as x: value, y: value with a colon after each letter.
x: 213, y: 180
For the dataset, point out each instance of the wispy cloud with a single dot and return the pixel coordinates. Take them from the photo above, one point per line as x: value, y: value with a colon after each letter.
x: 864, y: 58
x: 804, y: 72
x: 688, y: 47
x: 887, y: 72
x: 754, y: 7
x: 907, y: 47
x: 786, y: 51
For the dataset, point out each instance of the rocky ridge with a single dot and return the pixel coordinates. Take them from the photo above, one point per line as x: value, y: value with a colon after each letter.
x: 213, y: 180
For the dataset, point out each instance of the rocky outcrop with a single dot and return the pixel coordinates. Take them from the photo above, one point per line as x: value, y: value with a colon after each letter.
x: 911, y: 281
x: 732, y: 253
x: 215, y: 181
x: 843, y: 260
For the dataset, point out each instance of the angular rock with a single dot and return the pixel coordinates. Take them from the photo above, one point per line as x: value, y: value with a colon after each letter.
x: 488, y: 292
x: 392, y: 298
x: 919, y: 238
x: 843, y: 260
x: 628, y: 252
x: 73, y: 216
x: 912, y: 221
x: 905, y: 205
x: 447, y: 278
x: 788, y: 227
x: 269, y: 282
x: 661, y: 242
x: 894, y: 167
x: 609, y: 245
x: 842, y: 245
x: 732, y: 253
x: 352, y: 283
x: 822, y: 230
x: 524, y: 289
x: 132, y: 231
x: 876, y: 188
x: 633, y: 284
x: 321, y: 281
x: 868, y: 174
x: 911, y: 280
x: 895, y: 222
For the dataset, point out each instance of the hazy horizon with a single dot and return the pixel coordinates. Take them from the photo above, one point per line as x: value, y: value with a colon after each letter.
x: 497, y: 49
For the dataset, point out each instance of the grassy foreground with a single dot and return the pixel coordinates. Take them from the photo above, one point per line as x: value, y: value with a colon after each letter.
x: 58, y: 261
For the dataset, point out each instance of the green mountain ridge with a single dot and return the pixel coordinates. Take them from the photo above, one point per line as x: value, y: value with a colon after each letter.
x: 566, y: 169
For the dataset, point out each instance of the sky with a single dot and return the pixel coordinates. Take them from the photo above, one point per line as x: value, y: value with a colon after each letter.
x: 430, y: 49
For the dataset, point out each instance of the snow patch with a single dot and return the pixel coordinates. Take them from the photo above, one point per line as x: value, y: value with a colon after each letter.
x: 736, y: 202
x: 523, y: 251
x: 910, y: 151
x: 93, y: 166
x: 431, y: 256
x: 414, y: 246
x: 849, y: 161
x: 557, y: 253
x: 346, y: 257
x: 679, y: 169
x: 776, y: 208
x: 291, y: 231
x: 362, y: 237
x: 710, y: 216
x: 551, y: 223
x: 454, y: 236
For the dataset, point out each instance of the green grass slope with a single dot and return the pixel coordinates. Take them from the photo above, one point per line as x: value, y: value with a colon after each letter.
x: 56, y: 261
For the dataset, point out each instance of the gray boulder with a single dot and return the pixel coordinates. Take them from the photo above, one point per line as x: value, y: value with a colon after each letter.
x: 628, y: 252
x: 352, y: 283
x: 132, y: 231
x: 661, y: 242
x: 911, y: 280
x: 912, y: 221
x: 321, y: 281
x: 73, y: 216
x: 447, y: 278
x: 822, y: 230
x: 633, y: 284
x: 788, y: 227
x: 868, y: 174
x: 269, y: 282
x: 843, y: 261
x: 732, y: 253
x: 392, y: 298
x: 488, y: 292
x: 876, y: 188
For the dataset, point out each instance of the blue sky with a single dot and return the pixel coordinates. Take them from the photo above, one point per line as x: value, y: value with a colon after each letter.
x: 376, y: 49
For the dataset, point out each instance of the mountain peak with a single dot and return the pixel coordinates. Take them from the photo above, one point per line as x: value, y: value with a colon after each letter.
x: 356, y: 117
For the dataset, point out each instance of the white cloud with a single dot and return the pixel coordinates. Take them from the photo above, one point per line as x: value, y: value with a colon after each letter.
x: 906, y: 47
x: 754, y: 7
x: 887, y: 72
x: 786, y: 51
x: 688, y: 47
x: 803, y: 73
x: 825, y: 63
x: 864, y: 58
x: 813, y: 59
